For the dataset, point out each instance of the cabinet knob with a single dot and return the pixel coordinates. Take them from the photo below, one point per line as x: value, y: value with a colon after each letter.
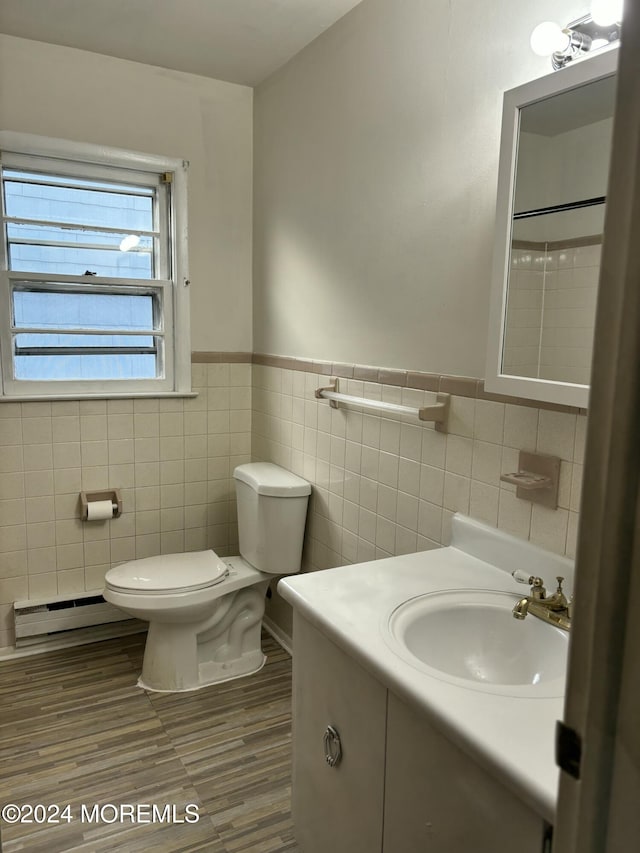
x: 332, y: 747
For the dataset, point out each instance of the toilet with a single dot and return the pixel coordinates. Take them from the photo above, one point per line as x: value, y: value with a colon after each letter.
x: 205, y: 612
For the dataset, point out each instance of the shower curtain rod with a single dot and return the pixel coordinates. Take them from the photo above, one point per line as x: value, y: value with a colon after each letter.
x: 560, y: 208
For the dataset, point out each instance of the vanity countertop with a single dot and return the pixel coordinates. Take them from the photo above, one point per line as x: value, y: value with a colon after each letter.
x: 512, y: 737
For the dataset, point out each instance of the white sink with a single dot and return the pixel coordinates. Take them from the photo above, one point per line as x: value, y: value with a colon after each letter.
x: 470, y: 637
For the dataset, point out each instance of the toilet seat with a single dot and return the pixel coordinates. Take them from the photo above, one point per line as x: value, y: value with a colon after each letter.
x: 168, y: 574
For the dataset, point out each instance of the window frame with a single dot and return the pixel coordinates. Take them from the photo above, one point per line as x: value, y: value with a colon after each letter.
x: 170, y: 289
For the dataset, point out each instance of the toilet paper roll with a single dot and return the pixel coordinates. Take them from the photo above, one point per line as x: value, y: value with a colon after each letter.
x: 99, y: 510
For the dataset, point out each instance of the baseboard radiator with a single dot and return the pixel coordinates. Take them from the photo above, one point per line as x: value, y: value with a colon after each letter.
x: 81, y: 617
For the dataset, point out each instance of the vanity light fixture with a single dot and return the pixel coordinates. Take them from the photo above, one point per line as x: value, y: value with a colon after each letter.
x: 600, y: 27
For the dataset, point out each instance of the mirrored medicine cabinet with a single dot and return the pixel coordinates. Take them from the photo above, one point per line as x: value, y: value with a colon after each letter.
x: 552, y: 186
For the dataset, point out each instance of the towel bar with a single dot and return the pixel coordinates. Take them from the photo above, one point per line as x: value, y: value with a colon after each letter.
x: 438, y: 412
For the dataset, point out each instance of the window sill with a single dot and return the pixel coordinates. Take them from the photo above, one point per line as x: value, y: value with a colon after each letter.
x: 133, y: 395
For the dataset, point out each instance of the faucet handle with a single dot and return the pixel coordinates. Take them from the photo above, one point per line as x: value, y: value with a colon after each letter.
x: 560, y: 592
x: 522, y: 577
x: 536, y: 584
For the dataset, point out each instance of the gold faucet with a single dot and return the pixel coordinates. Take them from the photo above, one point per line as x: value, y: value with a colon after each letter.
x: 553, y: 608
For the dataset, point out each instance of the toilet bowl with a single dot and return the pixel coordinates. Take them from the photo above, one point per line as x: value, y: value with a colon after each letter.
x: 204, y: 612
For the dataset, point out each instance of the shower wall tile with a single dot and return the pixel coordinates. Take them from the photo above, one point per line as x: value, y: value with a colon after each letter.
x: 551, y: 311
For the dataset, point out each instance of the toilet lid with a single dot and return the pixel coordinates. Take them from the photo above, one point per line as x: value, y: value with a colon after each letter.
x: 168, y: 573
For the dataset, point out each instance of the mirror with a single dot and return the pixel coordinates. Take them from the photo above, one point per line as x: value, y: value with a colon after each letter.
x: 552, y: 186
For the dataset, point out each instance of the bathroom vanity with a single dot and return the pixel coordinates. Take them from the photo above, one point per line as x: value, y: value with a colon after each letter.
x: 392, y: 754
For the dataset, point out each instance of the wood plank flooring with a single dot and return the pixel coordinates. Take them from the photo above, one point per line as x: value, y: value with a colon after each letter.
x: 75, y: 729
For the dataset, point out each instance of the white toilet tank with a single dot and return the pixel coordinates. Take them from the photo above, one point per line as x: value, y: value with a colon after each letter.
x: 272, y: 510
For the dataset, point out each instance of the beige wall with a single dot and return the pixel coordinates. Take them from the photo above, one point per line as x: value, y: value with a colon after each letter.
x: 375, y: 178
x: 71, y: 94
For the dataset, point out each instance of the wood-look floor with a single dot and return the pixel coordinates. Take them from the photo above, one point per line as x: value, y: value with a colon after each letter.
x: 75, y: 729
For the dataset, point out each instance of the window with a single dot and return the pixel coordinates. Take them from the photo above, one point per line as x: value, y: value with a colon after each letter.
x: 94, y: 291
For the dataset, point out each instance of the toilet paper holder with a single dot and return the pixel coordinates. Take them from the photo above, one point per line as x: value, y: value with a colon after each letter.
x: 112, y: 495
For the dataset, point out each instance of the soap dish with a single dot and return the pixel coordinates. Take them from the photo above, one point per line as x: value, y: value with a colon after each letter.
x: 527, y: 480
x: 536, y: 479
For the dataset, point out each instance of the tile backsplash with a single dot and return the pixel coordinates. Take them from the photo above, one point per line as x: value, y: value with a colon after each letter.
x: 383, y: 485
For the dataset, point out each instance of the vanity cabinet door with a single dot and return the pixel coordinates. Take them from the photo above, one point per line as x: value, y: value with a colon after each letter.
x: 438, y: 800
x: 336, y: 809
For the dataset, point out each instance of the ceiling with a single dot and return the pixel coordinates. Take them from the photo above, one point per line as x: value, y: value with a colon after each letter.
x: 241, y: 41
x: 578, y: 107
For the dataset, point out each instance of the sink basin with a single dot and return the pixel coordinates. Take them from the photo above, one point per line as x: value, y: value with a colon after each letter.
x: 470, y: 637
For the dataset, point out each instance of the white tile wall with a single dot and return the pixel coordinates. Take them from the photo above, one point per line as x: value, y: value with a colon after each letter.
x: 171, y: 458
x: 386, y: 485
x: 551, y: 313
x: 524, y: 312
x: 571, y: 289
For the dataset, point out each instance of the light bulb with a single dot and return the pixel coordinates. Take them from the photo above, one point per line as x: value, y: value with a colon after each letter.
x: 548, y: 38
x: 129, y: 242
x: 606, y: 12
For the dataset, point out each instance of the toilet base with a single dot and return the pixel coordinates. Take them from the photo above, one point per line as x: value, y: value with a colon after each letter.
x: 224, y: 644
x: 212, y: 673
